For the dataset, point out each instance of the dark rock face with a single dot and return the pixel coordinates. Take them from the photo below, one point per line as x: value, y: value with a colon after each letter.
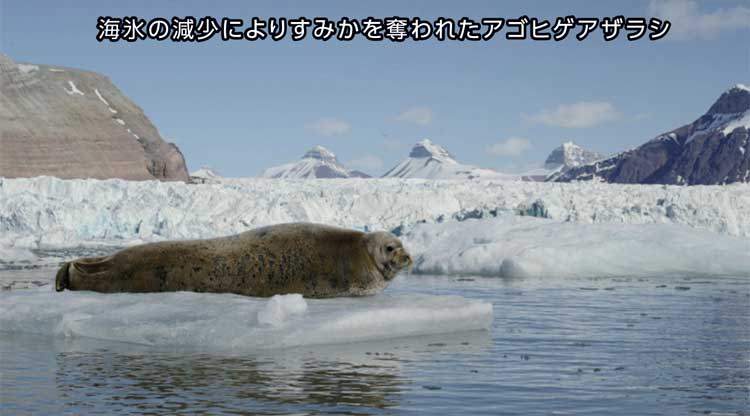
x: 320, y: 153
x: 72, y: 123
x: 326, y: 172
x: 427, y: 149
x: 712, y: 159
x: 358, y: 174
x: 715, y: 149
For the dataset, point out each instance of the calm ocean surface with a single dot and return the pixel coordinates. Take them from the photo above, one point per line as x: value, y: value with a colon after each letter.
x: 656, y: 346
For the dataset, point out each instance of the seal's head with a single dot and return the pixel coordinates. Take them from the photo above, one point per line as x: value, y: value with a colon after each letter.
x: 388, y: 253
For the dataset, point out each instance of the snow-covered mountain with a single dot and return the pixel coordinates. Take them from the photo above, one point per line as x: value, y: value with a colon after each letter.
x: 570, y: 155
x: 318, y: 162
x: 711, y: 150
x: 205, y: 175
x: 430, y: 161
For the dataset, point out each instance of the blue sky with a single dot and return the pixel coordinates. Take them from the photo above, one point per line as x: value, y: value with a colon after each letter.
x: 243, y: 106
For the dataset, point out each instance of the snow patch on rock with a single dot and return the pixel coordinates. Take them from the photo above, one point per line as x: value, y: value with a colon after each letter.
x: 73, y: 89
x: 26, y: 68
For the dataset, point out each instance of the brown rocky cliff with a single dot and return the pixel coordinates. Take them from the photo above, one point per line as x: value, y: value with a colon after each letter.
x: 72, y: 123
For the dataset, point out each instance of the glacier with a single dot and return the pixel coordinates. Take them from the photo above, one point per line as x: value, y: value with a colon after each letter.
x: 51, y: 212
x: 499, y: 228
x: 235, y: 323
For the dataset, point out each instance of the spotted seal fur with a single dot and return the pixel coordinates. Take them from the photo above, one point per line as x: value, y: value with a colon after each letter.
x: 315, y: 260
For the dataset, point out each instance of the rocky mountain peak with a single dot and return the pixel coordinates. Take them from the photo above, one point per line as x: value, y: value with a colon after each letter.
x: 72, y: 123
x: 320, y: 153
x: 713, y: 149
x: 732, y: 101
x: 6, y: 63
x: 570, y: 155
x: 317, y: 162
x: 428, y: 160
x: 427, y: 149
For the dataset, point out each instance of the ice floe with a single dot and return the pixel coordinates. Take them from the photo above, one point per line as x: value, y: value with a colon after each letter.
x: 533, y: 247
x: 230, y: 322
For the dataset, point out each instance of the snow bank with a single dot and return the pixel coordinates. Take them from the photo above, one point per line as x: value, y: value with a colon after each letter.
x: 534, y: 247
x: 220, y: 322
x: 50, y: 212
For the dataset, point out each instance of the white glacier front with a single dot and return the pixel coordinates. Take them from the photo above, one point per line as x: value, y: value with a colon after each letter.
x: 48, y: 212
x: 467, y: 227
x: 237, y: 323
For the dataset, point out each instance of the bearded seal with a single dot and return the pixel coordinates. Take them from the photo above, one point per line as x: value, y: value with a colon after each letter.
x: 317, y: 261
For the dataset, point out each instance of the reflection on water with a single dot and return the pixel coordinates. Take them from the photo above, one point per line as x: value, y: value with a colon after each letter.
x: 589, y: 347
x: 167, y: 383
x: 91, y: 376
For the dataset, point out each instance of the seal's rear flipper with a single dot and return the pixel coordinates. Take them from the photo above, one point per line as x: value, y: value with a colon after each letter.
x: 62, y: 280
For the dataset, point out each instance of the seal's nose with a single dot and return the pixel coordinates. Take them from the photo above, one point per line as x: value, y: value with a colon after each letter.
x: 406, y: 259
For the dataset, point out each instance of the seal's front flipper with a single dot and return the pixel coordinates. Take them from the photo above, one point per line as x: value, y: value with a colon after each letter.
x: 62, y: 279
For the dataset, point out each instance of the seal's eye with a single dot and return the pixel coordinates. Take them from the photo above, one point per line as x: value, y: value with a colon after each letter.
x: 389, y: 249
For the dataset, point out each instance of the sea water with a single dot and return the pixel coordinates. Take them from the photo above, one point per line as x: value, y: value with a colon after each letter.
x: 570, y: 346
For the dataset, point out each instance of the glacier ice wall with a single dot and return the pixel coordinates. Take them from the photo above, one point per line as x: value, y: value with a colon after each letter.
x: 50, y: 212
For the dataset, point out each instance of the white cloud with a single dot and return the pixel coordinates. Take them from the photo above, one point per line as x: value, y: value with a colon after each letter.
x: 418, y: 115
x: 329, y: 127
x: 367, y: 163
x: 690, y: 22
x: 513, y: 146
x: 581, y: 114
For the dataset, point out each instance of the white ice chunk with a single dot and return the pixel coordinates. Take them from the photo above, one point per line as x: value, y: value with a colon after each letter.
x: 220, y: 322
x: 120, y: 121
x: 532, y: 247
x: 73, y: 89
x: 14, y: 254
x: 280, y: 307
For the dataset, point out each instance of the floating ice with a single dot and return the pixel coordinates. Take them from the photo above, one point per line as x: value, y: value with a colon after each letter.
x: 12, y: 254
x: 220, y: 322
x: 534, y: 247
x: 280, y: 307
